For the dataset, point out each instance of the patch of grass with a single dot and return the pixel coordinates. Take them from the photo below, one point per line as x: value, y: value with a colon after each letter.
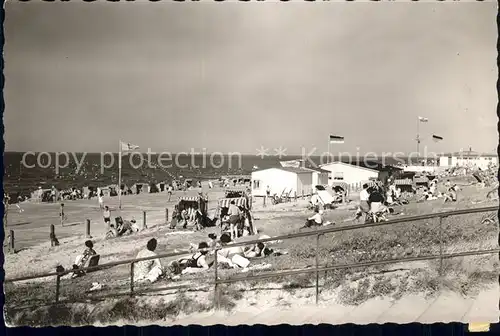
x: 57, y: 315
x: 226, y: 298
x: 356, y: 293
x: 126, y: 309
x: 384, y: 286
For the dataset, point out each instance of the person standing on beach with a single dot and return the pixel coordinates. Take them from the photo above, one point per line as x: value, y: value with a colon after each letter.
x: 234, y: 219
x: 364, y: 195
x: 101, y: 201
x: 107, y: 216
x: 169, y: 192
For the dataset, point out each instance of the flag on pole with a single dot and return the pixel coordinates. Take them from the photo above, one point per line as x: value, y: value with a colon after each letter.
x: 437, y: 138
x: 336, y: 139
x: 128, y: 147
x: 422, y: 119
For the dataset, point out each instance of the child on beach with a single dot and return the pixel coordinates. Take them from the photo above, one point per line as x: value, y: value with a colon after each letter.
x: 107, y: 215
x: 81, y: 260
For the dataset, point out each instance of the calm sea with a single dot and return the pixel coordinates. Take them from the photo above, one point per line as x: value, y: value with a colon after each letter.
x: 23, y: 179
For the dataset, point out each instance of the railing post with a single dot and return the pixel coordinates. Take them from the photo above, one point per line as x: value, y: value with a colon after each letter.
x: 166, y: 215
x: 12, y: 246
x: 52, y: 234
x: 440, y: 247
x: 144, y: 224
x: 317, y: 266
x: 264, y: 201
x: 87, y: 229
x: 58, y: 285
x: 131, y: 279
x: 216, y: 289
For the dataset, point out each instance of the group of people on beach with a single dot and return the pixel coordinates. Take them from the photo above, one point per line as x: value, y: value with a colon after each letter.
x: 201, y: 259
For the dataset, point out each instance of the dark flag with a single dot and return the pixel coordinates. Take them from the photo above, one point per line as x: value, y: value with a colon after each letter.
x: 437, y: 138
x: 336, y: 139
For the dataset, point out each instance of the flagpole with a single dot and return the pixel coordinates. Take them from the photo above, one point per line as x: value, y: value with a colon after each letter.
x: 120, y: 175
x: 418, y: 137
x: 328, y: 149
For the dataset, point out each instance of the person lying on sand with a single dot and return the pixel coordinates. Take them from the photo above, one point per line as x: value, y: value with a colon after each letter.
x: 197, y: 262
x: 426, y: 196
x: 148, y: 270
x: 261, y: 250
x: 82, y: 259
x: 231, y: 256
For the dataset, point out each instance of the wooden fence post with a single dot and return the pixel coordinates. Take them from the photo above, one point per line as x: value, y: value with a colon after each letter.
x: 61, y: 214
x: 144, y: 224
x: 58, y: 285
x: 166, y: 215
x: 87, y: 229
x: 264, y: 201
x: 216, y: 289
x: 317, y: 266
x: 131, y: 279
x: 52, y: 234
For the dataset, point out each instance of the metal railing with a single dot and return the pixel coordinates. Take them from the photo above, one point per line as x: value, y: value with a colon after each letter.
x: 316, y: 269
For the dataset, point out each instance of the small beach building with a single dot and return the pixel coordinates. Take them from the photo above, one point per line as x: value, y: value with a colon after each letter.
x: 468, y: 159
x: 357, y: 173
x: 293, y: 180
x: 319, y: 176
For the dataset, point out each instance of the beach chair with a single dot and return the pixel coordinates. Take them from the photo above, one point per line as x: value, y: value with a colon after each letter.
x: 283, y: 196
x: 93, y: 261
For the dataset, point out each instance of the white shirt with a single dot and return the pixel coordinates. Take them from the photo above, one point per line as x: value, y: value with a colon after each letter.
x: 317, y: 218
x: 229, y: 251
x: 363, y: 195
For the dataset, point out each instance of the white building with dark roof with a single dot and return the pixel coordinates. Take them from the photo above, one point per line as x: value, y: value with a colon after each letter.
x: 281, y: 180
x: 468, y: 159
x: 357, y: 173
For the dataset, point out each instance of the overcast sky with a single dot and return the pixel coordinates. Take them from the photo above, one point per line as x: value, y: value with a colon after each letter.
x: 232, y: 77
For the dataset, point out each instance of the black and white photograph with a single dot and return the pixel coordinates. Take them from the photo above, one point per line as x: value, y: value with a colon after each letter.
x: 241, y: 163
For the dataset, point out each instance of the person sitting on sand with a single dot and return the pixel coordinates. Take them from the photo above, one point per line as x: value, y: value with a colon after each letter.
x: 148, y: 270
x: 376, y: 200
x: 82, y: 259
x: 184, y: 218
x: 451, y: 195
x: 432, y: 187
x: 315, y: 220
